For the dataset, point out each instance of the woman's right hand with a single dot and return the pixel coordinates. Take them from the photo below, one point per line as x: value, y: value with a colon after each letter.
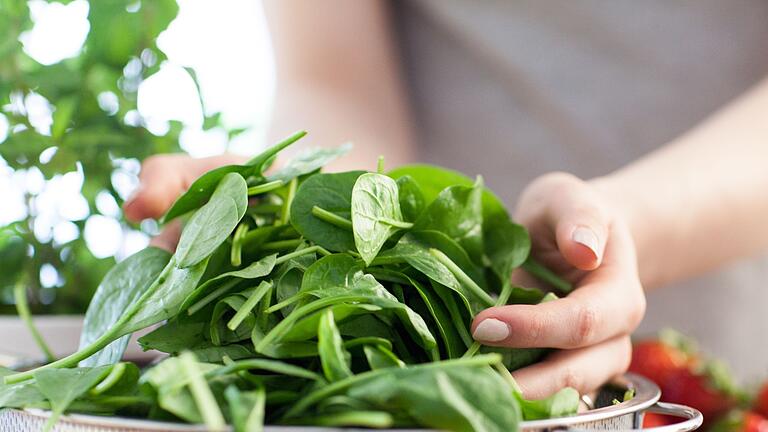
x: 161, y: 180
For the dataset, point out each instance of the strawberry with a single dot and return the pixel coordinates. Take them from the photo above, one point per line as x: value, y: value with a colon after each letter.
x: 699, y: 391
x: 657, y: 360
x: 761, y: 402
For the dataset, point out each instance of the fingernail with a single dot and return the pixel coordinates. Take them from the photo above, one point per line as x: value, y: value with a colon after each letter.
x: 588, y: 238
x: 491, y: 330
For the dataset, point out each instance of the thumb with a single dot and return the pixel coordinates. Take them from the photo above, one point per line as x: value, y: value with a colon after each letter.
x: 581, y: 230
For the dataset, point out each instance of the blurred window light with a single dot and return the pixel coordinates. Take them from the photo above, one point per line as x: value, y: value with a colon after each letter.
x: 13, y: 208
x: 125, y: 177
x: 65, y: 232
x: 108, y: 102
x: 170, y: 94
x: 106, y: 204
x: 39, y: 112
x: 4, y: 127
x: 59, y: 31
x: 201, y: 143
x: 133, y: 241
x: 49, y: 276
x: 103, y: 235
x: 48, y: 154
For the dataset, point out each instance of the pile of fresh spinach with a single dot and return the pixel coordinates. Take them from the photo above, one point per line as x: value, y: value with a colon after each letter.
x: 300, y: 297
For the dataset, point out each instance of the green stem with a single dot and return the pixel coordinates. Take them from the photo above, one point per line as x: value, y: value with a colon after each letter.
x: 331, y: 218
x: 22, y: 307
x: 249, y: 304
x: 202, y: 394
x: 235, y: 255
x: 504, y: 372
x: 380, y: 165
x: 287, y: 302
x: 203, y: 302
x: 301, y: 252
x: 265, y: 187
x: 113, y: 378
x: 465, y: 280
x: 546, y: 275
x: 275, y: 149
x: 397, y: 223
x: 255, y: 420
x: 285, y: 215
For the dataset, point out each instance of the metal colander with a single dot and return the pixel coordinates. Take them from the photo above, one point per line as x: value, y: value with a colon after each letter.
x: 625, y: 416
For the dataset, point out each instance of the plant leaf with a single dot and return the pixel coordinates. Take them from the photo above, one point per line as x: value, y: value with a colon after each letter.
x: 375, y: 213
x: 121, y: 287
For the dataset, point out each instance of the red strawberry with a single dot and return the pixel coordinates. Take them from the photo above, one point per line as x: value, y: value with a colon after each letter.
x: 653, y: 420
x: 657, y: 361
x: 697, y: 390
x: 761, y: 402
x: 755, y: 422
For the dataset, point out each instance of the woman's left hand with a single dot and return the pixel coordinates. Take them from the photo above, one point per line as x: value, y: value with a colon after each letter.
x: 574, y: 232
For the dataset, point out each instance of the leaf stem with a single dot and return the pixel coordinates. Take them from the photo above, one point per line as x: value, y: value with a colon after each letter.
x: 397, y: 223
x: 546, y: 275
x: 113, y: 378
x: 285, y: 214
x: 265, y: 187
x: 202, y: 394
x: 483, y: 296
x: 380, y: 165
x: 235, y: 255
x: 249, y: 304
x: 203, y: 302
x: 331, y: 218
x: 22, y: 307
x: 312, y: 249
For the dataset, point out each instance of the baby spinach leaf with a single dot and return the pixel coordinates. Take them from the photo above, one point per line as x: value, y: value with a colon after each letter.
x: 563, y: 403
x: 332, y: 193
x: 18, y: 395
x: 332, y: 271
x: 457, y: 399
x: 246, y: 408
x: 411, y: 198
x: 61, y: 387
x: 309, y: 161
x: 214, y: 222
x: 375, y: 213
x: 507, y: 245
x: 333, y: 357
x: 201, y: 189
x: 121, y: 287
x: 380, y: 357
x: 457, y: 212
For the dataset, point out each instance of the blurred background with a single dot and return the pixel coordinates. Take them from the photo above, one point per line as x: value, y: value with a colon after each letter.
x: 87, y: 90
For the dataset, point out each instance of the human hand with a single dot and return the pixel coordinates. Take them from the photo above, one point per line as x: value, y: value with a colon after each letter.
x: 574, y: 232
x: 161, y: 180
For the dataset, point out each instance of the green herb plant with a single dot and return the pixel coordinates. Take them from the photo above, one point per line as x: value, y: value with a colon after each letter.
x: 306, y: 298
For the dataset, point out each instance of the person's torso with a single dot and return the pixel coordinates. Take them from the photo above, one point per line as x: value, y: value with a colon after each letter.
x: 512, y: 90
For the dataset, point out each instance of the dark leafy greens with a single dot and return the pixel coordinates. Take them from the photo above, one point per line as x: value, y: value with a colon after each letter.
x: 314, y: 299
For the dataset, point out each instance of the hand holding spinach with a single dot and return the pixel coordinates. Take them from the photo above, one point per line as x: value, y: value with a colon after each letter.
x: 328, y: 299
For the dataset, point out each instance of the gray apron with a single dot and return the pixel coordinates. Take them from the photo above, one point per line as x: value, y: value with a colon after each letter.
x: 515, y: 89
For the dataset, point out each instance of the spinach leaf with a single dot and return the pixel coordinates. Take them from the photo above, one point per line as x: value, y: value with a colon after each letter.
x: 214, y: 222
x: 246, y: 408
x: 375, y: 213
x: 309, y: 161
x: 457, y: 399
x: 563, y: 403
x: 62, y: 387
x: 333, y: 357
x: 332, y: 193
x: 457, y: 212
x: 121, y: 287
x: 201, y: 189
x: 411, y: 198
x: 380, y: 357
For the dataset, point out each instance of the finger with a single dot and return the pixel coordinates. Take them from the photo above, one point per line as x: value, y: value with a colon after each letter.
x: 571, y: 212
x: 168, y: 237
x: 608, y: 302
x: 584, y: 369
x: 163, y: 178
